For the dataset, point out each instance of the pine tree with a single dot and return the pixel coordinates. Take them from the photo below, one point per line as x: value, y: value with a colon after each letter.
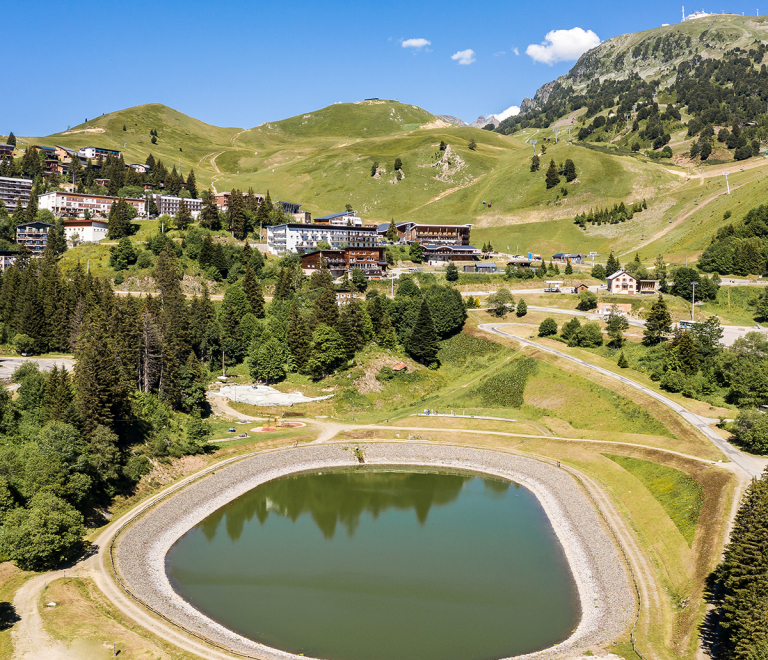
x: 568, y: 267
x: 192, y: 184
x: 451, y: 272
x: 657, y: 323
x: 761, y: 309
x: 174, y: 324
x: 522, y: 308
x: 325, y: 310
x: 569, y: 170
x: 97, y: 382
x: 119, y: 222
x: 612, y: 266
x: 251, y: 202
x: 347, y: 334
x: 183, y: 216
x: 32, y: 205
x: 622, y: 363
x: 688, y: 354
x: 284, y: 286
x: 327, y: 351
x: 535, y: 163
x: 236, y: 212
x: 253, y: 292
x: 299, y: 338
x: 552, y: 178
x: 387, y: 338
x: 11, y: 139
x: 209, y: 215
x: 19, y: 216
x: 422, y: 342
x: 392, y: 234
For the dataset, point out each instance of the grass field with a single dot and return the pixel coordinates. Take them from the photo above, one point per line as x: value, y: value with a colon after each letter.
x: 323, y: 160
x: 681, y: 496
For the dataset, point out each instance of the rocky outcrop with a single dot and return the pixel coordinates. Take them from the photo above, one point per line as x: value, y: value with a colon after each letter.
x: 452, y: 120
x: 481, y: 122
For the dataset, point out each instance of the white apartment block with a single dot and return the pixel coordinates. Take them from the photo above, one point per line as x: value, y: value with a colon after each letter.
x: 293, y: 237
x: 85, y: 231
x: 170, y: 205
x: 76, y: 204
x: 97, y: 152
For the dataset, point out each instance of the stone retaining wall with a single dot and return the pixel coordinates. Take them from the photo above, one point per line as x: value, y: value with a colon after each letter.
x: 607, y: 601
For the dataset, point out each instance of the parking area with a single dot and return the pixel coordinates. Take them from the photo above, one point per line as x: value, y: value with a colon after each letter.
x: 9, y: 364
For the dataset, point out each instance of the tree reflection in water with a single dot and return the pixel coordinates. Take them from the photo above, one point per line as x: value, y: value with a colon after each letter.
x: 341, y: 497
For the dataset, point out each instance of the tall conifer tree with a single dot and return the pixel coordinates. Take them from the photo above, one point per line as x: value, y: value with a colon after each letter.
x: 422, y: 342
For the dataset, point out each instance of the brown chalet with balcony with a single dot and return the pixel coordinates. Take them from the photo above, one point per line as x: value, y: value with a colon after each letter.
x: 368, y: 259
x: 411, y: 232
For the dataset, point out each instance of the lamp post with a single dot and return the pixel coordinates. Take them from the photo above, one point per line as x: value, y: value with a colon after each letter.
x: 693, y: 298
x: 728, y: 185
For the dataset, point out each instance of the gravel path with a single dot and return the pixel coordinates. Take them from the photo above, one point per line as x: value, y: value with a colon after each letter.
x: 607, y: 601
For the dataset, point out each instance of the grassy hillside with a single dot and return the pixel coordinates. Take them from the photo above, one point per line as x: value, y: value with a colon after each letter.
x: 323, y: 160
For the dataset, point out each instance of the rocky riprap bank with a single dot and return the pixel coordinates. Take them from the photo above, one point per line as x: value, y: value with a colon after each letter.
x: 607, y: 600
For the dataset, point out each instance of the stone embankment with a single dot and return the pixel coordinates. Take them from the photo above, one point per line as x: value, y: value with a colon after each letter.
x: 607, y: 600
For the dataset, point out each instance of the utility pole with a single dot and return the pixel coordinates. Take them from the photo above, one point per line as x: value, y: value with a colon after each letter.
x: 627, y: 116
x: 693, y: 298
x: 728, y: 185
x: 569, y: 134
x: 533, y: 142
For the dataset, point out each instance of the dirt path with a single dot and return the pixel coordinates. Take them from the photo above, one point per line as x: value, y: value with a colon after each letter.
x: 29, y: 638
x: 450, y: 191
x: 32, y: 642
x: 663, y: 232
x: 232, y: 139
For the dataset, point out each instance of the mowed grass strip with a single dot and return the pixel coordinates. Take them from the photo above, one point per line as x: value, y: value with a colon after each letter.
x: 681, y: 496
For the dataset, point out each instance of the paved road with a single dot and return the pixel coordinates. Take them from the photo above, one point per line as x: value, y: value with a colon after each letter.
x: 744, y: 461
x: 9, y: 364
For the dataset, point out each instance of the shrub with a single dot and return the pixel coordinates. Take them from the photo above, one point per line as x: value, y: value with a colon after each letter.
x: 751, y: 431
x: 590, y: 335
x: 23, y: 343
x: 587, y: 301
x: 548, y: 327
x: 673, y: 381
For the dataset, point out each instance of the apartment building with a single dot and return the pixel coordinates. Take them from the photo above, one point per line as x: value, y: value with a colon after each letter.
x: 440, y: 254
x: 34, y: 235
x: 75, y: 205
x: 7, y: 258
x: 222, y: 199
x: 85, y: 231
x: 170, y: 205
x: 13, y: 189
x: 411, y: 232
x: 97, y: 152
x: 6, y: 150
x: 344, y: 219
x: 295, y: 237
x: 368, y: 259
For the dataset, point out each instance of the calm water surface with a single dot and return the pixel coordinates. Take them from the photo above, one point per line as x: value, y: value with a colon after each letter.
x: 371, y: 564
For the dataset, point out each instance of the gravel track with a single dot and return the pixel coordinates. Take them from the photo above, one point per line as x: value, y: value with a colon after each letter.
x: 607, y: 599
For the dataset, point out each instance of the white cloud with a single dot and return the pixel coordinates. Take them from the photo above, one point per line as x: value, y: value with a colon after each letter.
x: 464, y: 56
x: 563, y: 45
x: 415, y: 43
x: 515, y: 51
x: 511, y: 111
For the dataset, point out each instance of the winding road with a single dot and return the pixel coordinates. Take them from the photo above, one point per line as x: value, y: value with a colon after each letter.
x: 743, y: 460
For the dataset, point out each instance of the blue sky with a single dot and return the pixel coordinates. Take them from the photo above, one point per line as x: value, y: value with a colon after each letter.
x: 237, y: 63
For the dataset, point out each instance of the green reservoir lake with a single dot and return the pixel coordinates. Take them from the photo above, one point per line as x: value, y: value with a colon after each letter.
x: 382, y: 564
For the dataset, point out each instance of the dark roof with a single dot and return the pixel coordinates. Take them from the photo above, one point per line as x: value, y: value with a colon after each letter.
x: 8, y: 145
x: 8, y: 253
x: 35, y: 223
x: 455, y: 248
x: 300, y: 225
x: 382, y: 227
x: 336, y: 215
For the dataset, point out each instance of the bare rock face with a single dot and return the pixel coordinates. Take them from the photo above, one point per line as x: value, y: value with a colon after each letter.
x: 449, y: 165
x: 452, y: 120
x: 481, y: 121
x: 527, y: 105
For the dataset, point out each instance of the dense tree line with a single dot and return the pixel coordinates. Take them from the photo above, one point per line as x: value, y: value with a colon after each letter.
x: 72, y: 440
x: 610, y: 216
x: 739, y: 248
x: 744, y: 576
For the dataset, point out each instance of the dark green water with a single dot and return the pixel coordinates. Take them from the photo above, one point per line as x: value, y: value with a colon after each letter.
x: 369, y: 564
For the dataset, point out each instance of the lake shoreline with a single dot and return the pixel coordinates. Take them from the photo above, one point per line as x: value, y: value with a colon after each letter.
x: 598, y: 571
